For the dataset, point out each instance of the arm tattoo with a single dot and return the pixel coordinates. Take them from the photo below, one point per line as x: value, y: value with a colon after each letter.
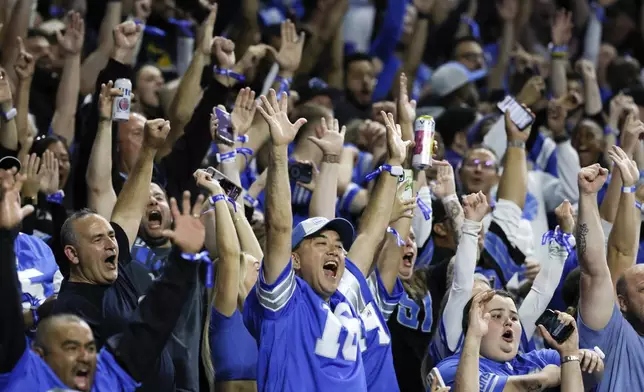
x: 582, y: 232
x: 454, y: 213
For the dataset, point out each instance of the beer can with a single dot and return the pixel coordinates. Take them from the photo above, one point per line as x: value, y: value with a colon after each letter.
x: 122, y: 103
x: 424, y: 128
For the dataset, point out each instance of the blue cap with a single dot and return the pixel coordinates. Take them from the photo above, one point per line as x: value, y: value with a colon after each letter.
x: 451, y: 76
x: 312, y: 226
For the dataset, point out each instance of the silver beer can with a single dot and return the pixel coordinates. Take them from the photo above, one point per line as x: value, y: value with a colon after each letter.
x: 122, y: 103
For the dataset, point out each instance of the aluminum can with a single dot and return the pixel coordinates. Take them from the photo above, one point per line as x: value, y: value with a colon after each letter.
x: 122, y: 103
x: 424, y: 128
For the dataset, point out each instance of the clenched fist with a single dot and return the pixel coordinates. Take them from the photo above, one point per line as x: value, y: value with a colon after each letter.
x: 475, y: 206
x: 591, y: 179
x: 155, y: 132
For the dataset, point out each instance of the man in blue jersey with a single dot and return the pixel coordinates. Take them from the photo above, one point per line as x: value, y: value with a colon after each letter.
x: 64, y: 353
x: 308, y: 333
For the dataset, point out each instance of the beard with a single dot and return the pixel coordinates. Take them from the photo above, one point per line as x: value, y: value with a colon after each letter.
x: 634, y: 320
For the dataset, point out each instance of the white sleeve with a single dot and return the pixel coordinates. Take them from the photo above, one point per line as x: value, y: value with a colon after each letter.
x: 496, y: 139
x: 563, y: 187
x: 543, y: 287
x: 461, y: 290
x: 423, y: 227
x: 518, y: 231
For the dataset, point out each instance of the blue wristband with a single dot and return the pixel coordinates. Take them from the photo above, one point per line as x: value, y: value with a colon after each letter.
x: 201, y: 257
x: 229, y: 73
x: 251, y: 200
x: 563, y: 239
x: 395, y: 171
x: 226, y: 157
x: 628, y: 189
x: 56, y: 197
x: 285, y: 85
x: 399, y: 240
x: 242, y: 139
x: 214, y: 199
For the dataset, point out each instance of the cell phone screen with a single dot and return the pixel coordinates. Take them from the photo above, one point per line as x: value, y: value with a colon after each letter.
x: 224, y: 128
x: 230, y: 188
x: 518, y: 114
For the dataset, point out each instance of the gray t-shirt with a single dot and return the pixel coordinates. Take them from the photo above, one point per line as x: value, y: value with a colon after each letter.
x: 624, y: 349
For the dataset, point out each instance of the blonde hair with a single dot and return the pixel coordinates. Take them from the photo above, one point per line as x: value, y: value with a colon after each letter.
x: 242, y: 292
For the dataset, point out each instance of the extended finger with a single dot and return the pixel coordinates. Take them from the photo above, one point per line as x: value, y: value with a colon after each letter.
x: 169, y: 234
x: 585, y: 360
x: 196, y: 208
x: 185, y: 203
x: 267, y: 105
x: 174, y: 208
x: 272, y: 98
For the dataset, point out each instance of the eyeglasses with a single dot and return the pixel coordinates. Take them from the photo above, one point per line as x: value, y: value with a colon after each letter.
x: 485, y: 165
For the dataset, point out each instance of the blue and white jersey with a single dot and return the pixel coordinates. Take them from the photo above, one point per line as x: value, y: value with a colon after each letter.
x: 37, y: 270
x: 305, y: 343
x: 374, y: 305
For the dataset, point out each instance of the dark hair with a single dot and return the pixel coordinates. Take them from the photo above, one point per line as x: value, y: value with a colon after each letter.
x: 463, y: 40
x: 468, y: 306
x: 67, y: 234
x: 356, y: 57
x: 570, y: 288
x: 42, y: 143
x: 621, y: 286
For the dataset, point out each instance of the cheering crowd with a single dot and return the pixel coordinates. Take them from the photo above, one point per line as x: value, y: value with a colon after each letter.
x: 321, y: 195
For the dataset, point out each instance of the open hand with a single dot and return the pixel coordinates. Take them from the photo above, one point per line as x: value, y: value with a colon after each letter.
x: 155, y: 132
x: 206, y: 29
x: 444, y: 185
x: 478, y: 319
x: 632, y: 130
x: 275, y: 113
x: 32, y: 174
x: 49, y: 180
x: 591, y: 178
x: 627, y: 166
x: 25, y: 65
x: 189, y: 233
x: 11, y: 214
x: 406, y: 108
x: 72, y: 41
x: 244, y: 111
x: 396, y: 147
x: 475, y: 206
x: 562, y: 28
x: 290, y: 53
x: 329, y: 140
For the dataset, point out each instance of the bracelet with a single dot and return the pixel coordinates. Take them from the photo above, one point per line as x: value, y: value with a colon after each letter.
x: 226, y: 157
x: 628, y: 189
x: 639, y: 205
x: 570, y: 358
x: 516, y: 144
x: 229, y: 73
x: 251, y: 200
x: 243, y: 139
x: 399, y: 240
x: 34, y: 317
x: 56, y: 197
x: 198, y: 258
x: 330, y: 158
x: 215, y: 198
x: 395, y: 171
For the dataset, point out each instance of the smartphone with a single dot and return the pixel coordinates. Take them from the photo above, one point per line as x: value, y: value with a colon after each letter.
x: 230, y: 188
x: 435, y: 374
x: 559, y: 332
x: 224, y: 132
x: 519, y: 115
x: 300, y: 172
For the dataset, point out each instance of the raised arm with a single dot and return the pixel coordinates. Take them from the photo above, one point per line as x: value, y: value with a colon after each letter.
x: 100, y: 192
x: 12, y: 339
x: 71, y: 44
x: 279, y: 217
x: 8, y: 128
x: 135, y: 194
x: 444, y: 188
x: 623, y: 241
x: 139, y: 347
x: 330, y: 140
x: 25, y: 68
x: 597, y: 300
x: 513, y: 186
x: 228, y: 251
x: 375, y: 217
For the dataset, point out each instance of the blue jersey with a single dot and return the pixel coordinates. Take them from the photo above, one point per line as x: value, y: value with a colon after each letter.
x: 233, y: 350
x: 374, y: 304
x: 31, y: 373
x: 305, y: 343
x: 494, y: 375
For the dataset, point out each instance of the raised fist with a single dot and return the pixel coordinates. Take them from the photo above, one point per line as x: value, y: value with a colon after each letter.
x: 591, y: 179
x: 126, y: 35
x: 155, y: 132
x: 565, y: 217
x: 475, y: 206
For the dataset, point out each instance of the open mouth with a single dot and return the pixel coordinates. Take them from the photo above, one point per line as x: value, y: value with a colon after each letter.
x: 81, y: 379
x: 111, y: 261
x: 508, y: 336
x: 330, y: 268
x: 408, y: 259
x: 154, y: 219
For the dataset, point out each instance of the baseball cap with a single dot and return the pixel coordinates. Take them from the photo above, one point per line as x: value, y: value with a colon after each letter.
x: 7, y: 162
x: 315, y: 87
x: 451, y: 76
x: 314, y: 225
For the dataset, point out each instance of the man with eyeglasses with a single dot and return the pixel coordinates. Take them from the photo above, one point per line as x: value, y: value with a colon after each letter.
x: 468, y: 51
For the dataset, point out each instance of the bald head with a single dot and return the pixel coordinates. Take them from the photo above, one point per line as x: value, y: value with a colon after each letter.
x: 48, y: 327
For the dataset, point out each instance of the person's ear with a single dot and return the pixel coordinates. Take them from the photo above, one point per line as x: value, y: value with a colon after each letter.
x: 72, y: 254
x: 295, y: 258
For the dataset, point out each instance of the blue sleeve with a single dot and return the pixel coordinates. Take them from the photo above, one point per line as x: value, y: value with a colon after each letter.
x: 488, y: 382
x: 385, y: 43
x: 111, y: 376
x: 275, y: 299
x: 386, y: 301
x: 606, y: 338
x: 22, y: 367
x: 386, y: 78
x: 343, y: 206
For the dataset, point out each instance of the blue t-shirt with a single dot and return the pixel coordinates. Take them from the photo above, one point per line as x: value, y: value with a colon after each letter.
x: 305, y: 343
x: 494, y: 375
x: 624, y: 349
x: 233, y: 350
x: 374, y: 305
x: 31, y: 373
